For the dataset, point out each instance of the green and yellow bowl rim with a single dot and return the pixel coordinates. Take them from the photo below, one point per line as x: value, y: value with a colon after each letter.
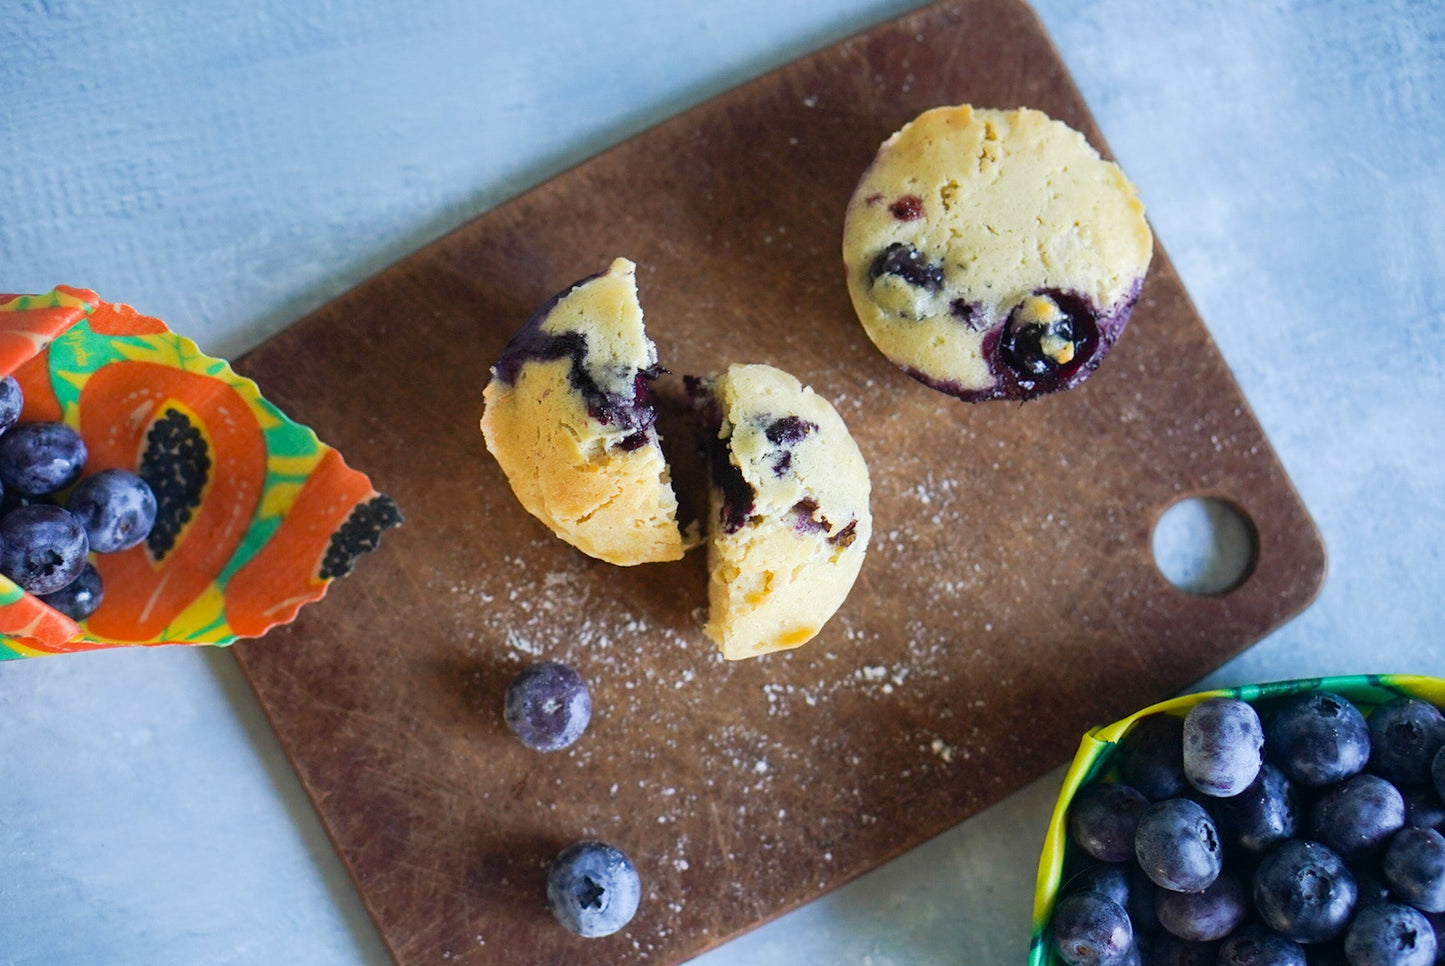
x: 1096, y: 752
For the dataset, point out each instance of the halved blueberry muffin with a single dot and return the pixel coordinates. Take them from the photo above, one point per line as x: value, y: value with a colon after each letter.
x: 994, y: 254
x: 789, y: 518
x: 569, y: 416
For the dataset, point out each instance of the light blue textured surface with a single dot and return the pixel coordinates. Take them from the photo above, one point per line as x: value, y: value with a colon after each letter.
x: 230, y: 166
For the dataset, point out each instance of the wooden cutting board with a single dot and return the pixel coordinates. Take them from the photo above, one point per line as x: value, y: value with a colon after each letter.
x: 1008, y: 602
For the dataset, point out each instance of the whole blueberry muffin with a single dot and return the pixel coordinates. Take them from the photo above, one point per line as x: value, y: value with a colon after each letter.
x: 789, y: 519
x: 994, y: 254
x: 570, y: 418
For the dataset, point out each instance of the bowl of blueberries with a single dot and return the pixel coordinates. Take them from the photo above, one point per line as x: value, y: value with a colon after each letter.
x: 151, y: 495
x: 1295, y: 823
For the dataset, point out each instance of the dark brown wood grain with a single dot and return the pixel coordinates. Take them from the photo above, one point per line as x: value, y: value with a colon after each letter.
x: 1008, y: 602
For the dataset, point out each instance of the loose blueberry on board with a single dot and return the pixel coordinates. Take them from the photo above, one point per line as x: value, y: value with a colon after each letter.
x: 1255, y: 944
x: 1415, y: 868
x: 1103, y: 819
x: 42, y: 547
x: 116, y: 507
x: 593, y: 888
x: 1151, y: 757
x: 1304, y: 891
x: 1390, y: 934
x: 1264, y: 813
x: 1090, y: 929
x: 79, y: 598
x: 548, y: 706
x: 1178, y: 846
x: 12, y: 400
x: 1405, y: 736
x: 1204, y: 916
x: 1223, y: 746
x: 41, y: 457
x: 1358, y: 816
x: 1318, y: 738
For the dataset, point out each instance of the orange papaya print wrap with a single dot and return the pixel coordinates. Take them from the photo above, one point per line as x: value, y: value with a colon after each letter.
x: 256, y: 515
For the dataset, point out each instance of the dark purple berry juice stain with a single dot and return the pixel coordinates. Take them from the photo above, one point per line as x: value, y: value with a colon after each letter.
x: 969, y: 313
x: 803, y: 516
x: 633, y: 413
x: 784, y: 434
x: 738, y: 496
x: 788, y: 430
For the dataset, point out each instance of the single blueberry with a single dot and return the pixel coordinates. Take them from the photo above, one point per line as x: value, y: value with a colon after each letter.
x: 1106, y: 878
x: 1141, y: 898
x: 787, y: 430
x: 1358, y: 815
x: 1167, y: 949
x: 44, y: 547
x: 1047, y: 338
x: 1090, y: 929
x: 1255, y: 944
x: 79, y: 598
x: 41, y: 457
x: 593, y: 888
x: 1390, y: 934
x: 1038, y: 349
x: 548, y: 706
x: 1415, y: 868
x: 1304, y: 891
x: 1102, y: 820
x: 1405, y: 735
x: 12, y: 400
x: 1223, y: 746
x: 1326, y: 954
x: 1371, y: 885
x: 1423, y: 808
x: 1318, y: 738
x: 1177, y: 845
x: 1151, y: 757
x: 1264, y: 813
x: 116, y: 507
x: 907, y: 263
x: 1203, y: 916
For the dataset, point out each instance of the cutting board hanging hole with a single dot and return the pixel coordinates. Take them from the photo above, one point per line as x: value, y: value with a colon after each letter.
x: 1205, y: 545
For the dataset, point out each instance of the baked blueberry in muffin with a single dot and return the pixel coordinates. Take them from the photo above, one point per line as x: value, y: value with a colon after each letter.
x: 994, y: 254
x: 789, y: 519
x: 569, y: 417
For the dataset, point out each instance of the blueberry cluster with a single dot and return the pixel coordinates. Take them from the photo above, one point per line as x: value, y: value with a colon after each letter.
x: 592, y: 888
x: 46, y: 540
x: 1300, y: 832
